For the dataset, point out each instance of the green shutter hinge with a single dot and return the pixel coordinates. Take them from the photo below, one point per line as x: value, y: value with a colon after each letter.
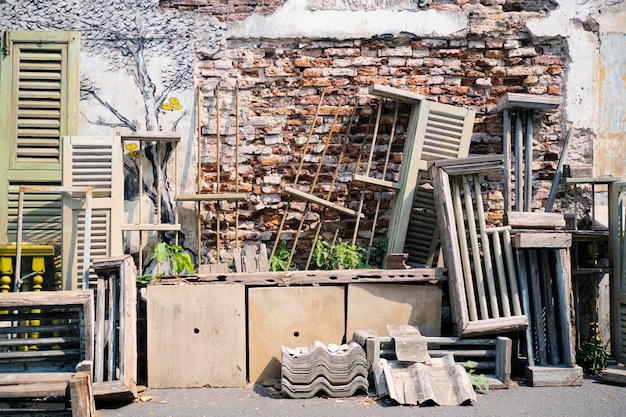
x: 6, y: 41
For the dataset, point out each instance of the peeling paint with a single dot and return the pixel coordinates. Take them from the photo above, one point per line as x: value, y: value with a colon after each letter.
x: 295, y: 20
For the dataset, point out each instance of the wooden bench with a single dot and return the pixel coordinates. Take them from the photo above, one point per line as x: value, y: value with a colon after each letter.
x: 46, y: 353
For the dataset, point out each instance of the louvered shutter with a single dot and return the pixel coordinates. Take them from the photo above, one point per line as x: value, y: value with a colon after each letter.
x: 92, y: 161
x: 39, y: 86
x: 436, y: 131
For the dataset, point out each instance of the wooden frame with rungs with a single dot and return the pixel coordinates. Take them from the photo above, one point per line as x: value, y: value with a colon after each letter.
x: 115, y: 364
x: 484, y: 294
x: 46, y: 351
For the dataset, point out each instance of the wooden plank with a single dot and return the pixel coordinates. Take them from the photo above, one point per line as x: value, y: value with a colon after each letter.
x: 395, y: 93
x: 40, y: 389
x: 535, y: 220
x: 81, y: 396
x: 468, y: 278
x: 450, y: 245
x: 522, y: 267
x: 320, y: 201
x: 340, y: 276
x: 501, y: 274
x: 528, y: 101
x: 213, y: 197
x: 163, y: 227
x: 506, y: 151
x: 512, y: 272
x: 500, y: 325
x: 554, y: 376
x: 375, y: 181
x: 564, y: 301
x: 152, y: 136
x: 549, y: 306
x: 614, y: 375
x: 504, y: 349
x: 537, y: 309
x: 519, y: 162
x: 552, y: 240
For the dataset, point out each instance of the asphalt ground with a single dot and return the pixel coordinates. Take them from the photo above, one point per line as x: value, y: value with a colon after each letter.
x: 593, y: 398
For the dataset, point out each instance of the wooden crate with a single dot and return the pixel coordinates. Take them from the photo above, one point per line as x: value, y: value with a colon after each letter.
x: 46, y: 352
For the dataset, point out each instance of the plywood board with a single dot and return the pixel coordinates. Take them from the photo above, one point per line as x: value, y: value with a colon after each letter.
x: 373, y: 306
x: 292, y: 317
x: 196, y: 336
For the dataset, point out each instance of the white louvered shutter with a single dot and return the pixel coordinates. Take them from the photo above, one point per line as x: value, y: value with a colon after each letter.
x: 437, y: 131
x: 92, y: 161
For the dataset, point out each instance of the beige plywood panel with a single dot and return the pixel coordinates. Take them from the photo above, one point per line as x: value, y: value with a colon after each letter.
x: 196, y: 336
x: 373, y: 306
x: 292, y: 317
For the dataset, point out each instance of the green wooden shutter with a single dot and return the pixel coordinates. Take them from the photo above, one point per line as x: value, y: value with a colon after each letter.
x: 39, y: 96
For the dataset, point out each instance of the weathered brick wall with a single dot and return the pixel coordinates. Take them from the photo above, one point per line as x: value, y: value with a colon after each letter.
x: 280, y: 83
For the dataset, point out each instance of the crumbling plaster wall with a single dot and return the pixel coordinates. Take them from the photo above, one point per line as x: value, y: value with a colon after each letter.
x: 282, y: 54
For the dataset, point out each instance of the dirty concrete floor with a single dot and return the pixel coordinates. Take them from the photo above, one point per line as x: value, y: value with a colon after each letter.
x: 593, y: 398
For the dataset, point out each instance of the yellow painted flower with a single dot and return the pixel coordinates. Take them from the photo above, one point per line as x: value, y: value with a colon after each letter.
x: 174, y: 100
x: 167, y: 106
x: 135, y: 154
x: 177, y: 106
x: 131, y: 146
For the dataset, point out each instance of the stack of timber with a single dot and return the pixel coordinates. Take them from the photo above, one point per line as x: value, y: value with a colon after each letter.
x: 338, y: 371
x: 484, y: 293
x: 403, y: 369
x: 543, y: 261
x: 46, y: 353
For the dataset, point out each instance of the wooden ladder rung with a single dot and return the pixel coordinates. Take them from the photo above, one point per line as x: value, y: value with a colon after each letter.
x: 151, y: 227
x: 375, y: 181
x: 212, y: 197
x: 324, y: 203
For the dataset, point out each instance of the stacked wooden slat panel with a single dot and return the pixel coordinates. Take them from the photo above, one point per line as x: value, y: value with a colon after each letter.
x: 338, y: 371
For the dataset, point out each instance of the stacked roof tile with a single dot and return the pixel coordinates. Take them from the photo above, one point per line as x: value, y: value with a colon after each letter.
x: 337, y: 371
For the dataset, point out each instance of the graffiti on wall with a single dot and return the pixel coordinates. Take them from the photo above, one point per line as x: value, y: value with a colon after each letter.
x: 137, y: 74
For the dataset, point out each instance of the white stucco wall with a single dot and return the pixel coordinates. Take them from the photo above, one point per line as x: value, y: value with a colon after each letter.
x: 595, y: 96
x: 294, y: 20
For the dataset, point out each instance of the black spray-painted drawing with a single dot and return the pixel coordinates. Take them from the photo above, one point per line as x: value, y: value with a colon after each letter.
x: 137, y: 74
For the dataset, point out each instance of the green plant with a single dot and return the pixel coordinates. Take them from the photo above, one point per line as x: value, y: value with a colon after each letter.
x: 479, y: 382
x: 378, y: 251
x: 279, y: 261
x: 173, y: 257
x: 592, y: 356
x: 339, y: 256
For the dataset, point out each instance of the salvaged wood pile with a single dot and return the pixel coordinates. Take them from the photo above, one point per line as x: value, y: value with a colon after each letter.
x: 46, y: 353
x: 545, y: 278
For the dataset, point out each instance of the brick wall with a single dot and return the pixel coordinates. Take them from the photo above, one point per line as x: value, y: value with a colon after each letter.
x: 280, y: 84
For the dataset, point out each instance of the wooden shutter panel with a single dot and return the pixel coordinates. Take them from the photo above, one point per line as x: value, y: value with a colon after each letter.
x: 39, y: 87
x: 436, y: 131
x: 92, y: 161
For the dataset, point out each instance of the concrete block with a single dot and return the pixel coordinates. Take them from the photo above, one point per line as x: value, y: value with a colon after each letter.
x: 290, y: 316
x: 196, y: 336
x: 373, y: 306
